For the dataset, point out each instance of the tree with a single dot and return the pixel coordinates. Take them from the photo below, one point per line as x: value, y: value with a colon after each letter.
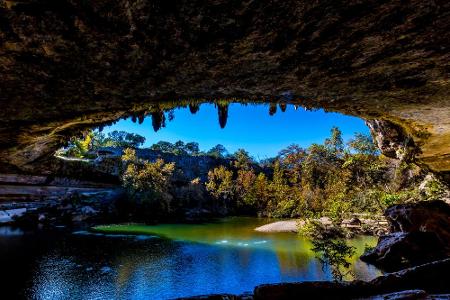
x: 122, y: 139
x: 363, y: 144
x: 220, y: 184
x: 80, y: 147
x: 335, y: 142
x: 192, y: 148
x: 163, y: 146
x: 292, y: 159
x: 98, y: 139
x: 334, y: 253
x: 245, y: 188
x: 147, y: 183
x: 218, y: 151
x: 243, y: 160
x: 316, y: 165
x: 179, y: 148
x: 261, y: 191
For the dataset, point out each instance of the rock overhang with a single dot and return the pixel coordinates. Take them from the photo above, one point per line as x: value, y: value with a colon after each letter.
x: 69, y: 65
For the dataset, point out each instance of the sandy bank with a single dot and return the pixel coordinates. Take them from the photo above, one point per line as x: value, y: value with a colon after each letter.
x: 280, y: 226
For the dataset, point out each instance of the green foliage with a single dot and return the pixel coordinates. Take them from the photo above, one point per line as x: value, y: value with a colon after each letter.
x: 192, y: 148
x: 79, y: 147
x: 334, y: 254
x: 220, y: 183
x: 310, y: 228
x: 327, y: 179
x: 178, y: 148
x: 335, y: 143
x: 163, y: 146
x: 218, y: 151
x: 330, y: 250
x: 242, y: 159
x: 93, y: 140
x: 363, y: 144
x: 147, y: 184
x: 390, y: 199
x: 432, y: 188
x: 368, y: 248
x: 121, y: 139
x: 331, y: 179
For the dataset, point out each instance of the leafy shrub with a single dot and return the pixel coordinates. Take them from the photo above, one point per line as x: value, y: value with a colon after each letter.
x: 147, y: 185
x: 334, y: 253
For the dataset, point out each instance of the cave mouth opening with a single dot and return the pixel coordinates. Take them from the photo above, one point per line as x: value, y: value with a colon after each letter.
x: 204, y: 177
x: 326, y: 163
x: 261, y: 129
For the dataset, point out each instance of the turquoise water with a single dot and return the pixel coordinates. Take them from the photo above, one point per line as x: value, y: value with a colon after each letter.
x: 169, y: 261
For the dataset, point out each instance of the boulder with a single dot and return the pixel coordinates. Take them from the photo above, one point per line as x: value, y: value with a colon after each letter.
x: 430, y: 278
x: 311, y: 290
x: 88, y: 210
x: 426, y: 216
x: 352, y: 222
x: 421, y: 233
x: 402, y: 295
x: 404, y: 249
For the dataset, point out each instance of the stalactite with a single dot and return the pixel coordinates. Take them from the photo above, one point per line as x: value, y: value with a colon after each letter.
x: 283, y: 106
x: 194, y: 108
x: 295, y: 106
x: 171, y: 115
x: 141, y: 119
x: 272, y: 109
x: 223, y: 114
x: 158, y: 120
x: 133, y: 118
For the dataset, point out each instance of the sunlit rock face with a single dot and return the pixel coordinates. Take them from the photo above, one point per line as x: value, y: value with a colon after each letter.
x: 72, y: 64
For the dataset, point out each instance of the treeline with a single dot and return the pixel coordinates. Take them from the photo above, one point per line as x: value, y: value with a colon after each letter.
x: 333, y: 178
x: 91, y: 141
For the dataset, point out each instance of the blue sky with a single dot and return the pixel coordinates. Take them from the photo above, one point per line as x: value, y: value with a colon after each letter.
x: 249, y: 127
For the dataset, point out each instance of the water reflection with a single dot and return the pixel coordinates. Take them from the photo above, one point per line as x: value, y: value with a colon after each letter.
x: 225, y: 257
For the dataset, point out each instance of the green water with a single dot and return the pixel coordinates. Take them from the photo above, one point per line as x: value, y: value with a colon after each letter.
x: 293, y: 252
x: 159, y: 262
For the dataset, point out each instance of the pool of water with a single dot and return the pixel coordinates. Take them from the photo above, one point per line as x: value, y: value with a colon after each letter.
x: 177, y: 260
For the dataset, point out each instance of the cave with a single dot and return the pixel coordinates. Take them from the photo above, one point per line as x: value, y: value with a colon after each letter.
x: 67, y: 66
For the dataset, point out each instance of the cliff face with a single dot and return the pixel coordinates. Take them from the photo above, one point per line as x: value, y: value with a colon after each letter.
x: 66, y: 65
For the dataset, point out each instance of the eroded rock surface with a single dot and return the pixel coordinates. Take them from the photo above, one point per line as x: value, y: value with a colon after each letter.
x: 67, y: 65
